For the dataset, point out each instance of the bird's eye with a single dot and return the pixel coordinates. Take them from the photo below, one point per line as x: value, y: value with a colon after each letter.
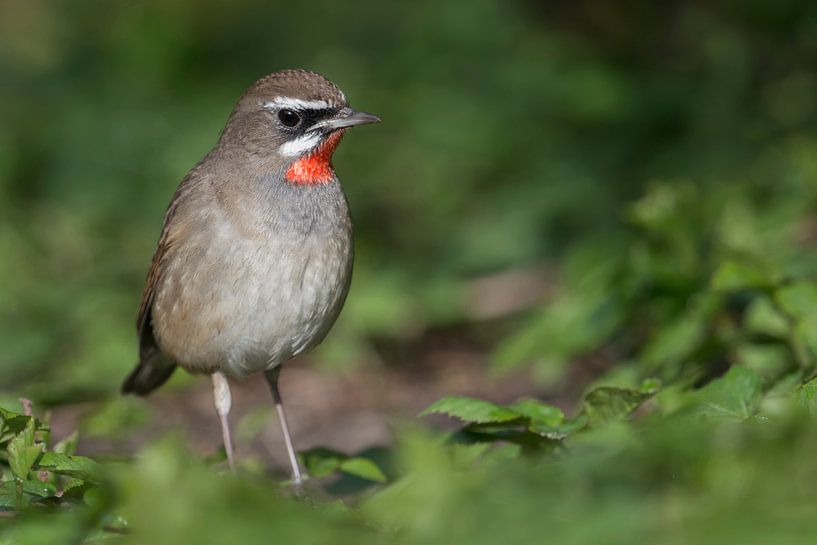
x: 288, y: 118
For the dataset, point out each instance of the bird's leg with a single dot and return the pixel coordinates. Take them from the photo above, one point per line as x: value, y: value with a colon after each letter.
x: 272, y: 380
x: 223, y: 400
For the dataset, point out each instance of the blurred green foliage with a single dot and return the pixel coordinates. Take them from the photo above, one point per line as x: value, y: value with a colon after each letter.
x: 513, y: 131
x: 659, y: 160
x: 728, y: 463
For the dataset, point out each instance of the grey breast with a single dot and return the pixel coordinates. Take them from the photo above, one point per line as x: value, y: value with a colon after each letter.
x: 261, y: 277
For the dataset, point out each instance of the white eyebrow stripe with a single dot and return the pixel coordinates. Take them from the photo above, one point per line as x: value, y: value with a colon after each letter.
x: 300, y: 145
x: 298, y: 104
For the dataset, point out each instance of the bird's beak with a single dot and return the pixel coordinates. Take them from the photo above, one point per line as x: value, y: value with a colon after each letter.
x: 346, y: 117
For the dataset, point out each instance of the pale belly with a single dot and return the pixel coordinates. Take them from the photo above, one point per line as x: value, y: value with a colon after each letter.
x: 241, y: 306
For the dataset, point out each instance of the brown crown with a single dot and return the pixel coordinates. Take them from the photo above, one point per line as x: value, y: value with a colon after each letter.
x: 300, y: 84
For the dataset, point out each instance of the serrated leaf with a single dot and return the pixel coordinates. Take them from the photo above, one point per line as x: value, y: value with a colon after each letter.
x: 537, y: 411
x: 737, y: 395
x: 79, y: 467
x: 16, y: 495
x: 363, y: 468
x: 11, y: 424
x: 6, y: 414
x: 470, y: 409
x: 23, y: 452
x: 607, y: 403
x: 40, y: 489
x: 76, y: 488
x: 8, y: 495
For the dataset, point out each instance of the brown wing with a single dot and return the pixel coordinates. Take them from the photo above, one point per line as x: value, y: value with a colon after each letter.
x: 153, y: 368
x: 143, y: 316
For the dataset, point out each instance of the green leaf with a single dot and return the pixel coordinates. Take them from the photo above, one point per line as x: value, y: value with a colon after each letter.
x: 769, y: 361
x: 560, y: 431
x: 763, y: 317
x: 607, y: 403
x: 807, y: 395
x: 23, y: 452
x: 465, y: 454
x: 6, y: 415
x: 32, y: 489
x: 537, y: 411
x: 67, y: 445
x: 680, y: 337
x: 79, y: 467
x: 735, y: 395
x: 584, y: 313
x: 12, y: 495
x: 8, y: 495
x: 799, y: 300
x: 734, y: 276
x: 471, y: 409
x: 363, y: 468
x: 76, y: 488
x: 11, y: 424
x: 650, y: 386
x: 320, y: 462
x: 37, y: 488
x: 574, y: 323
x: 662, y: 204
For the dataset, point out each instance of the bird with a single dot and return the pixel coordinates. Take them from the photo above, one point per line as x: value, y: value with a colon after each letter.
x: 254, y: 259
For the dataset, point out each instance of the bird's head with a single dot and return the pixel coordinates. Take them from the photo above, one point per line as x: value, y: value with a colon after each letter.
x: 295, y: 118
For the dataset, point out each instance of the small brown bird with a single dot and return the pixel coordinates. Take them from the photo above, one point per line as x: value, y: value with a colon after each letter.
x: 255, y: 257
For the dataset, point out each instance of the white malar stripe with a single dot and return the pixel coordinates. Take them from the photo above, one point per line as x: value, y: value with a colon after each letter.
x: 300, y: 145
x: 297, y: 104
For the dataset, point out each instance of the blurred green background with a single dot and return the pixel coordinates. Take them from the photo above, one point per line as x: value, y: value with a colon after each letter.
x: 579, y: 193
x: 513, y: 131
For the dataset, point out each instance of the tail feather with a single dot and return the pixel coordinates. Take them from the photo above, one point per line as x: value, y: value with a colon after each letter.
x: 149, y: 374
x: 153, y: 368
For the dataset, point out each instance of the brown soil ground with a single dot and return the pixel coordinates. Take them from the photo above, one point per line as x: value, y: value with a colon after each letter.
x: 349, y: 411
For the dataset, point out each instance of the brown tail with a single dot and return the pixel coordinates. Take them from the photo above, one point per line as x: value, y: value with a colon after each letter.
x: 153, y: 369
x: 150, y: 373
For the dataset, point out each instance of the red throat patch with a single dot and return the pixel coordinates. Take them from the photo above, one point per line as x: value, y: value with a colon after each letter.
x: 315, y: 168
